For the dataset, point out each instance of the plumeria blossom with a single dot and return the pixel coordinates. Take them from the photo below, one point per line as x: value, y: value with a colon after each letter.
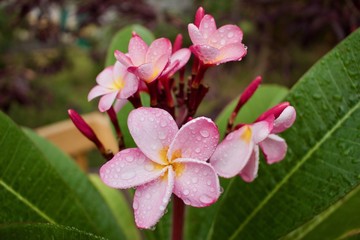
x: 148, y: 62
x: 238, y: 153
x: 114, y: 82
x: 212, y: 45
x: 167, y: 160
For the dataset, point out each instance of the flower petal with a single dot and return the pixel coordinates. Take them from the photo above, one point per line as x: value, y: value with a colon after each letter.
x: 130, y: 168
x: 151, y: 200
x: 233, y: 153
x: 137, y: 50
x: 195, y: 35
x: 98, y: 91
x: 107, y: 100
x: 123, y: 58
x: 177, y: 61
x: 205, y: 53
x: 119, y: 103
x: 274, y: 148
x: 119, y: 70
x: 231, y: 52
x: 157, y: 49
x: 197, y: 139
x: 196, y: 182
x: 226, y: 35
x: 261, y: 130
x: 153, y: 130
x: 105, y: 77
x: 285, y: 120
x: 131, y: 84
x: 207, y: 26
x: 249, y: 173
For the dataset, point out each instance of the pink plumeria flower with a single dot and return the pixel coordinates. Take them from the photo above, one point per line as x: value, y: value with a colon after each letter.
x: 238, y: 153
x: 114, y: 82
x: 167, y: 160
x: 215, y: 46
x: 146, y: 62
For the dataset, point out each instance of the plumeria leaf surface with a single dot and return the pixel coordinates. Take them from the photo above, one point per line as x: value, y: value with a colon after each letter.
x: 35, y: 231
x: 36, y: 189
x: 321, y: 170
x: 121, y: 40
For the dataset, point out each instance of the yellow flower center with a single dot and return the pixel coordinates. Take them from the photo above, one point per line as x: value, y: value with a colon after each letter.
x: 177, y: 167
x: 118, y: 84
x: 246, y: 135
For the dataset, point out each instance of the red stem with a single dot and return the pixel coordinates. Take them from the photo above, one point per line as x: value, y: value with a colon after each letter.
x: 178, y: 219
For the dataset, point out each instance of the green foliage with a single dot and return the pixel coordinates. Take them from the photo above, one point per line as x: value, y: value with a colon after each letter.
x: 121, y: 40
x: 36, y: 231
x: 322, y: 166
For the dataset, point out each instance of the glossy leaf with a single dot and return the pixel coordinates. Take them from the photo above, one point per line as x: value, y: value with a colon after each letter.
x: 36, y: 189
x: 35, y: 231
x: 322, y: 166
x: 121, y: 40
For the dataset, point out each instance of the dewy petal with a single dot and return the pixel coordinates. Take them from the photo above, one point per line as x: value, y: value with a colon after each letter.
x: 249, y: 173
x: 107, y: 100
x: 195, y: 35
x: 105, y: 77
x: 226, y: 35
x: 131, y: 84
x: 177, y: 61
x: 196, y: 182
x: 119, y: 70
x: 262, y: 129
x: 157, y: 49
x: 144, y: 71
x: 205, y: 53
x: 207, y: 26
x: 197, y: 139
x: 151, y: 200
x: 98, y: 91
x: 231, y: 52
x: 285, y: 120
x: 130, y: 168
x: 233, y: 153
x: 153, y: 130
x: 274, y: 148
x: 137, y: 50
x: 123, y: 58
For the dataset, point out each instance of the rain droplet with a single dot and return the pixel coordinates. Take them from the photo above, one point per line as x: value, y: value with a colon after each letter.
x: 165, y: 200
x: 230, y: 34
x: 197, y: 150
x: 162, y: 135
x: 149, y: 167
x: 128, y: 175
x: 162, y: 208
x: 129, y: 158
x: 163, y: 123
x: 204, y: 133
x: 205, y: 199
x: 208, y: 182
x: 186, y: 192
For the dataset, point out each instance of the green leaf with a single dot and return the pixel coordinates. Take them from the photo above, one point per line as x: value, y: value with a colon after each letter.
x: 264, y: 98
x: 322, y: 165
x: 121, y: 41
x: 119, y: 206
x: 34, y: 189
x: 199, y: 220
x: 35, y: 231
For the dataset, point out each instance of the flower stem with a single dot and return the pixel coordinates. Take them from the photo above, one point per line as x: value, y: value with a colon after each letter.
x: 178, y: 219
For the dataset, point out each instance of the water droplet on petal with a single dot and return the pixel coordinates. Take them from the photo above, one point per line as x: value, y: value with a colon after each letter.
x: 197, y: 150
x: 230, y: 34
x: 208, y: 182
x: 186, y: 192
x: 149, y: 167
x: 162, y: 135
x: 205, y: 199
x: 163, y: 123
x: 128, y: 175
x: 162, y: 208
x: 165, y: 200
x: 204, y: 133
x: 129, y: 158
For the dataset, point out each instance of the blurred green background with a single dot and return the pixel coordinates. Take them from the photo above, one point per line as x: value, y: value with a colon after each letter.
x: 51, y: 51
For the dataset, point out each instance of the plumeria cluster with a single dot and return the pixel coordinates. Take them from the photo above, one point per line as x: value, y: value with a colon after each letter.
x: 177, y: 153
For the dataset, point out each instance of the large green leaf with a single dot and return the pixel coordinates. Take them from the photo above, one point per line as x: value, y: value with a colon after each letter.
x: 199, y: 220
x: 36, y: 231
x: 36, y: 189
x: 121, y: 40
x: 322, y: 165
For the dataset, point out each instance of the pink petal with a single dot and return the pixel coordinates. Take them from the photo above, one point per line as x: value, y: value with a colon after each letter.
x: 207, y: 26
x: 119, y: 70
x: 105, y: 77
x: 274, y: 148
x: 119, y: 103
x: 137, y: 50
x: 196, y: 182
x: 157, y: 49
x: 159, y: 67
x: 130, y: 168
x: 123, y: 58
x: 233, y: 153
x: 276, y: 111
x: 98, y: 91
x: 107, y: 100
x: 231, y: 52
x: 151, y: 200
x: 197, y: 139
x: 226, y: 35
x: 195, y: 35
x: 285, y: 120
x: 205, y: 53
x: 130, y: 87
x: 249, y: 173
x: 153, y: 130
x: 177, y: 61
x: 144, y: 71
x: 261, y: 130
